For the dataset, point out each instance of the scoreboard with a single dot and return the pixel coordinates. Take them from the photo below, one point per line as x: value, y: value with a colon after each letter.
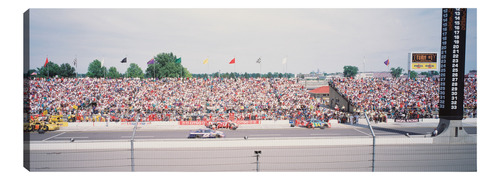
x: 451, y: 76
x: 423, y: 61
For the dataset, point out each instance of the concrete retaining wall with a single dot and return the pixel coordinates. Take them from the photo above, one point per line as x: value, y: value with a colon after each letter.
x: 229, y: 142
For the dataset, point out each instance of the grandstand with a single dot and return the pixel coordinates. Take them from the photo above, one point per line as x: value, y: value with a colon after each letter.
x: 396, y: 96
x: 249, y: 98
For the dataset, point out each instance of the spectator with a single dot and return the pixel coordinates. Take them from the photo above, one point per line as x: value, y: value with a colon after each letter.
x: 416, y: 98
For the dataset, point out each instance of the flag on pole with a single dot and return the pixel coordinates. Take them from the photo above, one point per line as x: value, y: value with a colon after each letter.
x: 178, y: 60
x: 74, y: 62
x: 124, y: 60
x: 152, y: 61
x: 386, y: 62
x: 205, y: 61
x: 233, y: 61
x: 34, y: 73
x: 259, y: 60
x: 46, y: 62
x: 284, y: 61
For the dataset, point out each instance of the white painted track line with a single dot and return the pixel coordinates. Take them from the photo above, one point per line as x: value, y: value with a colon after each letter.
x: 54, y: 136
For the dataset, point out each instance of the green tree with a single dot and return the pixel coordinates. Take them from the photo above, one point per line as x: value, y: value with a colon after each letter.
x: 396, y: 72
x: 350, y: 71
x: 66, y: 70
x: 153, y: 70
x: 50, y: 70
x: 134, y: 71
x: 186, y: 73
x: 413, y: 74
x: 167, y: 65
x: 96, y: 70
x: 113, y: 73
x: 426, y: 74
x: 28, y: 74
x: 269, y: 75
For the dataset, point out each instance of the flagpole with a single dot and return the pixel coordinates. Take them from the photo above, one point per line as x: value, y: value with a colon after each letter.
x: 364, y: 64
x: 182, y: 68
x: 48, y: 70
x: 102, y: 64
x: 76, y: 65
x: 126, y: 55
x: 286, y: 64
x: 104, y: 68
x: 260, y: 66
x: 283, y: 64
x: 388, y: 64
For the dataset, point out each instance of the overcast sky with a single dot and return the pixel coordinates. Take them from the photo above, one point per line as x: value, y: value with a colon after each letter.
x: 310, y: 39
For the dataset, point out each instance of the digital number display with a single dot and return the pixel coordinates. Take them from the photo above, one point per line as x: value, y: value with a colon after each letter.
x: 451, y: 76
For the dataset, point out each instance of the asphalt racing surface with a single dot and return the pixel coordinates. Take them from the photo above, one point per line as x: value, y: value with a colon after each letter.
x: 341, y: 148
x: 239, y: 133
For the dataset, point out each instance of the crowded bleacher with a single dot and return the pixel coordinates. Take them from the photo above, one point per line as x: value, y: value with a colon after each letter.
x: 400, y: 97
x: 177, y: 99
x: 173, y: 98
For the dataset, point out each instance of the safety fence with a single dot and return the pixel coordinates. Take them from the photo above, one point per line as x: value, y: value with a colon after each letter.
x: 407, y: 157
x: 343, y: 158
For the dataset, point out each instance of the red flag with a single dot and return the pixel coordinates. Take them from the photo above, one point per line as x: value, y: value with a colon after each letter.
x: 233, y: 61
x: 46, y: 62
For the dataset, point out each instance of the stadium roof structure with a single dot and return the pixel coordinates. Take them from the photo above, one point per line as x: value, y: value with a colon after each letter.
x: 321, y: 90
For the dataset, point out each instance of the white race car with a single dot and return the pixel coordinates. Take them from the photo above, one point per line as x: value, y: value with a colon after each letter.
x: 206, y: 133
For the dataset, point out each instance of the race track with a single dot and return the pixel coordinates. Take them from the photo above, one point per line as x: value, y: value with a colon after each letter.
x: 239, y: 133
x: 346, y: 148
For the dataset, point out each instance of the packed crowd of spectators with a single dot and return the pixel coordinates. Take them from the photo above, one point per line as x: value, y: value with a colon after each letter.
x: 400, y: 97
x: 245, y: 98
x: 174, y: 99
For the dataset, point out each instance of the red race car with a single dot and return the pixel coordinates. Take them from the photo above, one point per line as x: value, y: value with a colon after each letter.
x: 218, y: 124
x: 298, y: 123
x: 310, y: 123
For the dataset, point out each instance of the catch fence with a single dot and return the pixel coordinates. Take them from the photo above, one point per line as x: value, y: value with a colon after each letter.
x: 340, y: 158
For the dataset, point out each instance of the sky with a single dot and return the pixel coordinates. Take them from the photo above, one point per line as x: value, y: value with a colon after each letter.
x: 310, y: 39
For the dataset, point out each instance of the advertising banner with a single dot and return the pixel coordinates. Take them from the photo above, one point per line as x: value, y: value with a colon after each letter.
x: 133, y: 123
x: 248, y: 122
x: 203, y: 122
x: 406, y: 120
x: 192, y: 122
